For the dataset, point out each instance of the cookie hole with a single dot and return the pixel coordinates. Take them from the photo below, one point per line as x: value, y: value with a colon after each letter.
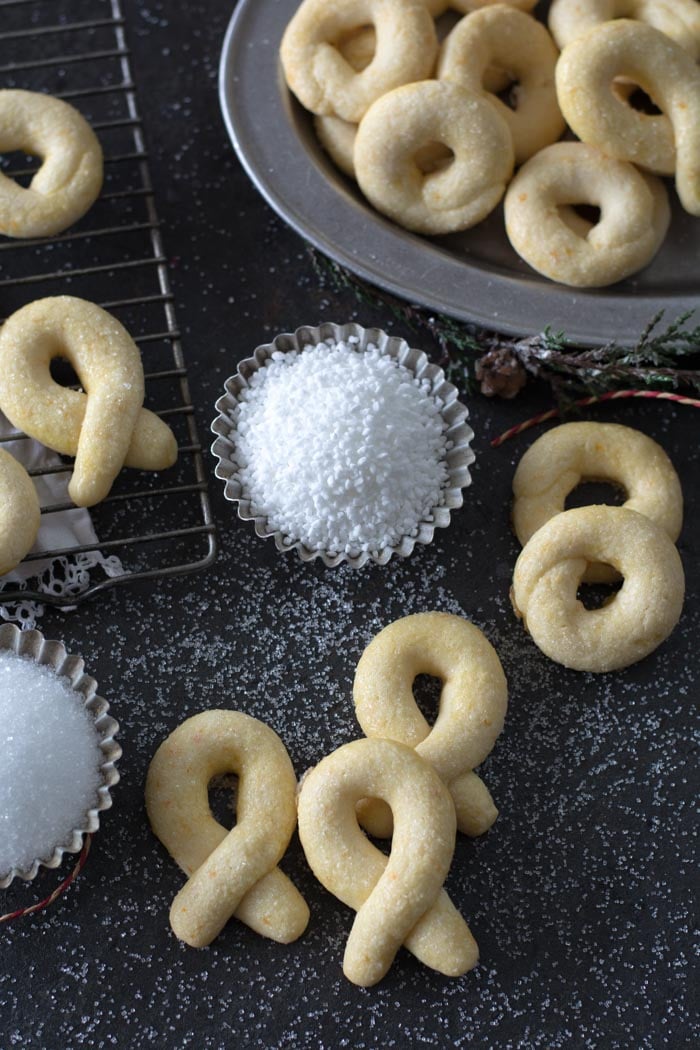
x: 223, y: 799
x: 426, y: 691
x: 636, y: 98
x: 587, y: 212
x: 590, y: 493
x: 510, y: 94
x: 595, y: 595
x: 358, y: 47
x: 16, y: 161
x: 432, y: 157
x: 63, y: 373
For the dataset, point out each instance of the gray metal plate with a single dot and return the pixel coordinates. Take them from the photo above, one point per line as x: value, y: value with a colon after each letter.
x: 475, y: 275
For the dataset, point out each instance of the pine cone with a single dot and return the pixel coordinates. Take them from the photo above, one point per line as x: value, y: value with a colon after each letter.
x: 500, y: 373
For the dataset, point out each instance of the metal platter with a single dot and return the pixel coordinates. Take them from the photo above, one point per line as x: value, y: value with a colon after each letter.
x: 474, y: 276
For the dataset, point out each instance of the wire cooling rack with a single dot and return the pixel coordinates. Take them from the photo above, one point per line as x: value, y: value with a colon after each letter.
x: 157, y: 525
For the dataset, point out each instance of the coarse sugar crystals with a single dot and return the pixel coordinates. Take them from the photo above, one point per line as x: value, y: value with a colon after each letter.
x: 50, y: 762
x: 341, y: 448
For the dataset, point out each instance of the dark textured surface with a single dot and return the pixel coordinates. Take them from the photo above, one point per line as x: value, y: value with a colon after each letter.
x: 580, y: 897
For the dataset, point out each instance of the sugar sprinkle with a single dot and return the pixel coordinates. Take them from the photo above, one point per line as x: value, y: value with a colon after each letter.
x: 49, y: 774
x: 341, y: 448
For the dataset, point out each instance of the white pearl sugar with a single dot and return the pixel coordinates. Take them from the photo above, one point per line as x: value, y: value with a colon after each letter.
x: 341, y: 448
x: 49, y: 761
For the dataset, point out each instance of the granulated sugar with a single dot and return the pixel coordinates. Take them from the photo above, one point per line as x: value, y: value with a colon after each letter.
x: 49, y: 764
x: 340, y: 448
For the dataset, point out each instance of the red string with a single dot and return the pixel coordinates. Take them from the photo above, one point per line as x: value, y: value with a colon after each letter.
x: 62, y: 886
x: 612, y: 395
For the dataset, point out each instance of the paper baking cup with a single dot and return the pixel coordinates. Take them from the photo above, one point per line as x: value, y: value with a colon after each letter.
x: 52, y: 654
x: 458, y: 433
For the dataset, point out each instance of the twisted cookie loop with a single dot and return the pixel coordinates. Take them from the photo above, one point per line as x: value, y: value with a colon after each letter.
x: 231, y: 872
x: 70, y: 177
x: 325, y: 82
x: 472, y: 707
x: 567, y: 455
x: 399, y: 899
x: 599, y: 115
x: 633, y: 623
x: 505, y: 38
x: 545, y: 230
x: 19, y: 512
x: 104, y: 430
x: 405, y: 121
x: 677, y: 19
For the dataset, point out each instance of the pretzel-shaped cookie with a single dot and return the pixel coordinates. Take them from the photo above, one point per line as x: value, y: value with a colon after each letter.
x: 230, y: 872
x: 677, y: 19
x: 472, y: 707
x: 19, y: 512
x: 567, y: 455
x: 633, y: 622
x: 454, y: 197
x: 600, y: 115
x: 399, y: 900
x: 555, y: 240
x: 503, y: 37
x: 105, y: 430
x: 70, y: 177
x: 325, y: 82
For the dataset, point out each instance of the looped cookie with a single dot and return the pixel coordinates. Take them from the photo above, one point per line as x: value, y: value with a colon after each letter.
x: 454, y: 197
x: 230, y: 872
x: 19, y: 512
x: 399, y: 899
x: 70, y: 177
x: 633, y: 622
x: 555, y: 240
x: 106, y: 427
x: 472, y: 707
x: 600, y: 115
x: 567, y: 455
x: 325, y: 82
x: 677, y: 19
x: 509, y: 40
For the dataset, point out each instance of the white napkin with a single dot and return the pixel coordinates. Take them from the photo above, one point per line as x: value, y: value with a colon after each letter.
x: 64, y: 575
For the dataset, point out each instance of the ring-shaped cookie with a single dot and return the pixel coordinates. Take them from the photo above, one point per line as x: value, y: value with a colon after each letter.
x: 634, y: 622
x: 19, y: 512
x: 325, y: 82
x: 105, y: 430
x: 567, y: 455
x: 472, y: 706
x: 670, y: 142
x: 505, y: 38
x: 231, y: 872
x: 677, y: 19
x: 548, y: 233
x: 399, y: 899
x: 456, y: 196
x: 70, y: 177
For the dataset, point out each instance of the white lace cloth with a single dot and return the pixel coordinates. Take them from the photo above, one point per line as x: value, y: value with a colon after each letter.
x: 66, y: 575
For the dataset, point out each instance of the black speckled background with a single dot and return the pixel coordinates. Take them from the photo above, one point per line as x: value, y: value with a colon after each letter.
x: 581, y: 896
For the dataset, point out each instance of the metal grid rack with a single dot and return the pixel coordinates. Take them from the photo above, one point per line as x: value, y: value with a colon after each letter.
x: 76, y: 50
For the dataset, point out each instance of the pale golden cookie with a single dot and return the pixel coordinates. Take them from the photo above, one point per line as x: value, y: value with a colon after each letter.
x: 70, y: 177
x: 105, y: 430
x: 325, y: 82
x: 633, y: 623
x: 230, y: 872
x: 664, y: 144
x: 19, y: 512
x: 503, y: 37
x: 399, y: 899
x: 405, y: 121
x: 472, y: 707
x: 545, y: 230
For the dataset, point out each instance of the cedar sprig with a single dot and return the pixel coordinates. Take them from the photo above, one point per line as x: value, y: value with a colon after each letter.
x: 501, y: 365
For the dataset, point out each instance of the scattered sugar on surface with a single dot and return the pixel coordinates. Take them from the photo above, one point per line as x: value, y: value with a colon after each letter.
x: 49, y: 774
x: 340, y: 448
